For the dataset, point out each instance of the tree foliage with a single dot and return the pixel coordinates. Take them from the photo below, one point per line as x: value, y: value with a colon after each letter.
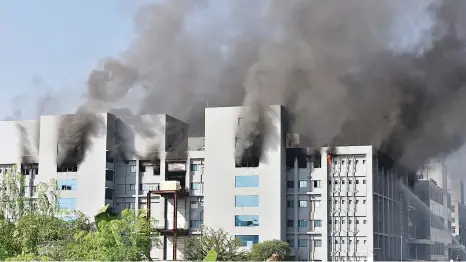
x: 196, y: 248
x: 34, y: 228
x: 264, y: 250
x: 126, y: 239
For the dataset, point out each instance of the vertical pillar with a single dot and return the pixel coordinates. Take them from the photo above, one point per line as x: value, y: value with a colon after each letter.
x: 175, y: 223
x: 136, y: 205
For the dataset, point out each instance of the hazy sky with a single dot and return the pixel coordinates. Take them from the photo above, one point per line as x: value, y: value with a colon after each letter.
x: 53, y: 44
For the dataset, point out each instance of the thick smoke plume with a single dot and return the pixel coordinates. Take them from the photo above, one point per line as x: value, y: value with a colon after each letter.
x: 74, y: 137
x: 390, y: 73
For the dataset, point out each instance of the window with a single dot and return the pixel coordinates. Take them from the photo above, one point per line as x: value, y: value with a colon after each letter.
x: 364, y: 201
x: 248, y: 240
x: 290, y: 223
x: 195, y: 167
x: 290, y: 242
x: 317, y: 223
x: 302, y: 243
x: 302, y: 184
x: 302, y: 223
x: 357, y: 181
x: 67, y: 203
x: 317, y: 243
x: 108, y: 193
x: 364, y: 181
x: 316, y: 183
x: 132, y: 187
x: 290, y: 203
x: 246, y: 221
x: 67, y: 168
x: 302, y: 203
x: 247, y: 201
x: 67, y: 184
x: 246, y: 181
x: 109, y: 175
x: 132, y: 168
x: 196, y: 186
x: 289, y: 184
x: 195, y: 223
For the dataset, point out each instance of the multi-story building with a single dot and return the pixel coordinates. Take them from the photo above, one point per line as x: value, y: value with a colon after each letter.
x: 339, y: 203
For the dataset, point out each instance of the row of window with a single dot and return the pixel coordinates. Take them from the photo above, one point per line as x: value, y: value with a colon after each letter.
x: 304, y: 223
x: 301, y: 203
x: 349, y: 201
x: 342, y: 241
x: 342, y: 221
x: 350, y: 181
x: 304, y: 242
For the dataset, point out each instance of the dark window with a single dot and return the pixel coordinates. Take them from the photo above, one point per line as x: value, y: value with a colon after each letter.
x: 290, y: 184
x: 108, y: 194
x: 109, y: 175
x: 67, y: 168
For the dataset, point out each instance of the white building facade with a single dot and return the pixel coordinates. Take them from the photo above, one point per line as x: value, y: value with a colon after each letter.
x: 329, y: 204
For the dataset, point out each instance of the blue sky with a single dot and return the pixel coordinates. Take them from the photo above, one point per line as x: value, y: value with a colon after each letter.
x: 53, y: 44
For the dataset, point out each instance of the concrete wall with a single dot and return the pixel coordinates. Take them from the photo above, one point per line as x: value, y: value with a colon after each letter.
x: 220, y: 172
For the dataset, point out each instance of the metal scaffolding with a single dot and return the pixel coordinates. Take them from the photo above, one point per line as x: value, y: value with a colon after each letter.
x: 168, y: 194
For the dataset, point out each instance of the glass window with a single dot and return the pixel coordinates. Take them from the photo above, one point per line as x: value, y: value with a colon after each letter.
x: 248, y: 240
x: 316, y: 183
x: 317, y: 243
x: 246, y: 181
x: 109, y: 175
x: 132, y: 187
x: 246, y: 221
x: 302, y: 223
x: 195, y: 223
x: 108, y: 193
x: 290, y: 242
x: 132, y: 168
x: 302, y: 203
x: 302, y: 184
x: 247, y: 201
x: 317, y: 223
x: 290, y: 184
x: 289, y: 223
x: 67, y: 184
x: 290, y: 203
x: 196, y: 186
x: 302, y: 243
x: 195, y: 167
x: 67, y: 203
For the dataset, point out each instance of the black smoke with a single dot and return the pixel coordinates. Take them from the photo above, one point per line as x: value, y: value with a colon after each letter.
x: 75, y: 136
x: 389, y: 73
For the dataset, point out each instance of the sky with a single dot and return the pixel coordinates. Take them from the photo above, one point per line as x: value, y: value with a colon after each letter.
x: 52, y: 45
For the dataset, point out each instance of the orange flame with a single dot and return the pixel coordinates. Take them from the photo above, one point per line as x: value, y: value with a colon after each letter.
x: 329, y: 159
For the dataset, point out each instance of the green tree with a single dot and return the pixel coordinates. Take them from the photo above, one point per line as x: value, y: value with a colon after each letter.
x: 196, y: 248
x: 8, y: 247
x: 126, y: 239
x: 14, y: 203
x: 264, y: 250
x: 12, y: 197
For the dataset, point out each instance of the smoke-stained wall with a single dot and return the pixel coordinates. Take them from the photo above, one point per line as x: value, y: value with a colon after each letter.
x: 90, y: 173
